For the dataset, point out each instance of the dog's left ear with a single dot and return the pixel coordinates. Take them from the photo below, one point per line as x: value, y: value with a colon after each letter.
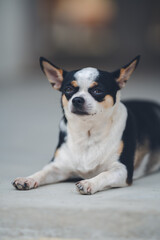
x: 125, y: 72
x: 54, y: 74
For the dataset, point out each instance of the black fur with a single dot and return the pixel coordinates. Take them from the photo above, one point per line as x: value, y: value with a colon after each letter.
x: 129, y: 141
x: 62, y: 137
x: 147, y: 122
x: 107, y: 84
x: 69, y: 77
x: 143, y: 123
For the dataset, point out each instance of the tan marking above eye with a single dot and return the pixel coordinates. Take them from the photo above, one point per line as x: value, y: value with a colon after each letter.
x: 108, y: 101
x: 64, y: 101
x: 93, y: 84
x: 74, y: 83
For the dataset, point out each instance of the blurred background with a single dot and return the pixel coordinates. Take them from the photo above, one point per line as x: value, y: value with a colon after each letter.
x: 73, y: 34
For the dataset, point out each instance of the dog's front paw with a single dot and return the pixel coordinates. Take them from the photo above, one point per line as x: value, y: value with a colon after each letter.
x: 85, y: 187
x: 24, y: 183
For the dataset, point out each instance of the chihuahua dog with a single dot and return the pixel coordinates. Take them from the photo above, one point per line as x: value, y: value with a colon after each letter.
x: 102, y: 141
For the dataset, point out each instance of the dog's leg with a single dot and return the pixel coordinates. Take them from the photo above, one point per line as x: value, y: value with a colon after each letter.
x: 116, y: 176
x: 51, y: 173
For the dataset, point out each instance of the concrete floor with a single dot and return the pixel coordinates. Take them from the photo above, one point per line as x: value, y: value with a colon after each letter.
x: 60, y: 211
x: 30, y: 112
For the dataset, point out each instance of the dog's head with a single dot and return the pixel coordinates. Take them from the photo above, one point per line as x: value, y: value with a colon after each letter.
x: 87, y: 91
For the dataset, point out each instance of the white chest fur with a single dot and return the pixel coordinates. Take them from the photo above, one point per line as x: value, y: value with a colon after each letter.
x: 92, y: 144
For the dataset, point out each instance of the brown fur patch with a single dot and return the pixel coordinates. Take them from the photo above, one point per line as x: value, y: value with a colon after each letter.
x: 64, y: 101
x: 141, y: 151
x: 93, y: 84
x: 61, y: 71
x: 56, y: 153
x: 89, y: 133
x: 74, y: 83
x: 108, y: 101
x: 121, y: 146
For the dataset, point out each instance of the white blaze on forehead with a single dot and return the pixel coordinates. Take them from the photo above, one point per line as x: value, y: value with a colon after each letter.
x: 86, y: 76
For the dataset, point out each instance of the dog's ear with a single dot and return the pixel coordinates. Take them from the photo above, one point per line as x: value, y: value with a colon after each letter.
x: 54, y: 74
x: 125, y: 72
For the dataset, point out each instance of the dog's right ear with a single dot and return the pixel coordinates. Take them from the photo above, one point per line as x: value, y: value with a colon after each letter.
x: 54, y: 74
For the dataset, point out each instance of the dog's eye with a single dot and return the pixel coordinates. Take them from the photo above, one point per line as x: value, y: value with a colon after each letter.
x: 69, y: 90
x: 97, y: 91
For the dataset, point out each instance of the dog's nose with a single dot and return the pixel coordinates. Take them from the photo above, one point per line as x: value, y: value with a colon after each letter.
x: 78, y: 102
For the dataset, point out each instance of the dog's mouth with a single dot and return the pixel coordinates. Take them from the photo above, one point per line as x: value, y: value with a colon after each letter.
x: 79, y: 112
